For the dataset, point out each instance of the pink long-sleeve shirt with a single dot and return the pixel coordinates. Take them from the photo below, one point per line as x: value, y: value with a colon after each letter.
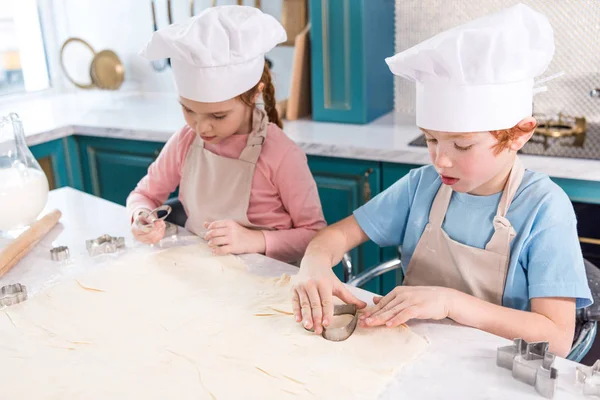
x: 283, y: 196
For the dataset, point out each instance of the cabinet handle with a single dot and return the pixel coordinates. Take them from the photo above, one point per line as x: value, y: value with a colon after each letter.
x: 589, y: 240
x: 367, y: 185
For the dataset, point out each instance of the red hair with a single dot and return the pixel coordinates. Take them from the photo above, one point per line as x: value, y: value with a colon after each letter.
x: 506, y: 136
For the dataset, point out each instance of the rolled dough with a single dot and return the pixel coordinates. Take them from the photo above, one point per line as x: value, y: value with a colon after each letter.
x: 184, y: 324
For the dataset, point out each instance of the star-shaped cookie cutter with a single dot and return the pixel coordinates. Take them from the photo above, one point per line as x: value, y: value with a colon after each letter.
x: 104, y: 244
x: 343, y: 332
x: 589, y: 378
x: 530, y: 363
x: 12, y: 294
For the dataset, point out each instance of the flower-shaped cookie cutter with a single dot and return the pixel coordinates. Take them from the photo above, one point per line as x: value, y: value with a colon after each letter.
x: 104, y: 244
x: 12, y: 294
x: 60, y: 253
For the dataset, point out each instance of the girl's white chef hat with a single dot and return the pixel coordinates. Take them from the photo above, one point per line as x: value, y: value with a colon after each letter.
x: 218, y: 54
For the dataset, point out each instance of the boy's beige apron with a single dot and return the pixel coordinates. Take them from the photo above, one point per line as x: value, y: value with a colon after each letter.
x: 440, y: 261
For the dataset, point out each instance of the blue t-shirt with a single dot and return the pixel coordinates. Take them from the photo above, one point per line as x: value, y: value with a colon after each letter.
x: 545, y: 257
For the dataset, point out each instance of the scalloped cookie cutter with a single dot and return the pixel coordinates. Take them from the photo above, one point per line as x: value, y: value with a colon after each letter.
x: 12, y: 294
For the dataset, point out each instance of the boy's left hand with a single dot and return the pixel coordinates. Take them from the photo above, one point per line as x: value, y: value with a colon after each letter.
x: 409, y: 302
x: 229, y: 237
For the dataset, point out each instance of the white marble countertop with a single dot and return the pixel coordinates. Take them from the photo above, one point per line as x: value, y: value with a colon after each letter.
x: 459, y: 362
x: 155, y: 117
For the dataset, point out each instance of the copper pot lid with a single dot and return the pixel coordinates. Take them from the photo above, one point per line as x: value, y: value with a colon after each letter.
x: 106, y: 69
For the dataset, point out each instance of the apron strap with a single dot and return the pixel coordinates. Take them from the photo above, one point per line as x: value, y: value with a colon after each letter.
x: 440, y: 204
x: 503, y: 230
x: 260, y: 123
x: 514, y: 181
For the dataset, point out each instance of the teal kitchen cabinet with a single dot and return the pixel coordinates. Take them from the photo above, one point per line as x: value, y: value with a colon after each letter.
x: 113, y: 167
x: 579, y: 190
x: 350, y: 40
x: 59, y: 160
x: 344, y: 185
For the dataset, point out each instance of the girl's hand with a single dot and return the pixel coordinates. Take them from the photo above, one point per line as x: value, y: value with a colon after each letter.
x: 229, y: 237
x: 153, y: 234
x: 409, y: 302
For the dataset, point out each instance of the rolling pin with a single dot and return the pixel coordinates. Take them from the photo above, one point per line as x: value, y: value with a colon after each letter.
x: 18, y: 248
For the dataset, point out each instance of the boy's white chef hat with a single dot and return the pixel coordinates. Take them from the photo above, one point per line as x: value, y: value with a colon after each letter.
x: 478, y: 76
x: 218, y: 54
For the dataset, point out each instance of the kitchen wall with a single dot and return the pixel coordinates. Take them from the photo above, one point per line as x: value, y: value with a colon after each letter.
x: 576, y: 26
x: 124, y: 26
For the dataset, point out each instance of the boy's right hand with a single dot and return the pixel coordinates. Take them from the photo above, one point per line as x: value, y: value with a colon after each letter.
x: 312, y: 296
x: 151, y: 235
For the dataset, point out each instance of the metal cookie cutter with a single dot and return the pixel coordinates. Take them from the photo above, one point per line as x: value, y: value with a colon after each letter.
x: 158, y: 214
x: 104, y: 244
x: 12, y: 294
x: 530, y: 363
x: 343, y: 332
x: 589, y: 378
x: 60, y: 253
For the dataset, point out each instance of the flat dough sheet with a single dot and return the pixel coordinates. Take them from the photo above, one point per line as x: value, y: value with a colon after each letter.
x: 184, y: 324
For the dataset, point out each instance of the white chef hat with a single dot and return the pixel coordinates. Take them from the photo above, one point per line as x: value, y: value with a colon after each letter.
x: 218, y: 54
x: 478, y: 76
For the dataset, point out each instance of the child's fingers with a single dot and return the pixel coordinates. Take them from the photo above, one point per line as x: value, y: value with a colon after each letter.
x: 305, y: 308
x: 345, y: 295
x: 222, y: 250
x: 217, y: 224
x: 220, y: 241
x: 384, y: 316
x: 315, y: 306
x: 403, y: 316
x: 326, y: 294
x: 296, y: 305
x: 214, y: 233
x: 379, y: 305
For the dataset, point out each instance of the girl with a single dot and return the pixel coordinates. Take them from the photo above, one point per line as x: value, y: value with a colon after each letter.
x: 484, y: 242
x: 245, y: 186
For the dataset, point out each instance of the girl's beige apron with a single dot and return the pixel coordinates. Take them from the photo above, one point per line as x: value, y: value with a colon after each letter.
x: 216, y: 187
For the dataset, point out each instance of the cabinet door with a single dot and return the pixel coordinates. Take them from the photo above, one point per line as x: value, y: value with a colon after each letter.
x: 59, y: 160
x: 113, y: 167
x: 344, y: 185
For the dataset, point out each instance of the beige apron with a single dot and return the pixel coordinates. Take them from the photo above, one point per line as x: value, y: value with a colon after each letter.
x: 215, y: 187
x: 440, y: 261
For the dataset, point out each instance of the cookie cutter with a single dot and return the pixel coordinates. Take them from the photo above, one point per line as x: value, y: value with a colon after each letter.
x: 104, y: 244
x: 12, y: 294
x: 589, y: 378
x: 170, y: 229
x: 152, y: 217
x: 344, y: 332
x: 530, y: 363
x: 60, y: 253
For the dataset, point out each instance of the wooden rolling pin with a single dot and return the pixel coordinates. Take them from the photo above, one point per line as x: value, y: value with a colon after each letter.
x: 18, y: 248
